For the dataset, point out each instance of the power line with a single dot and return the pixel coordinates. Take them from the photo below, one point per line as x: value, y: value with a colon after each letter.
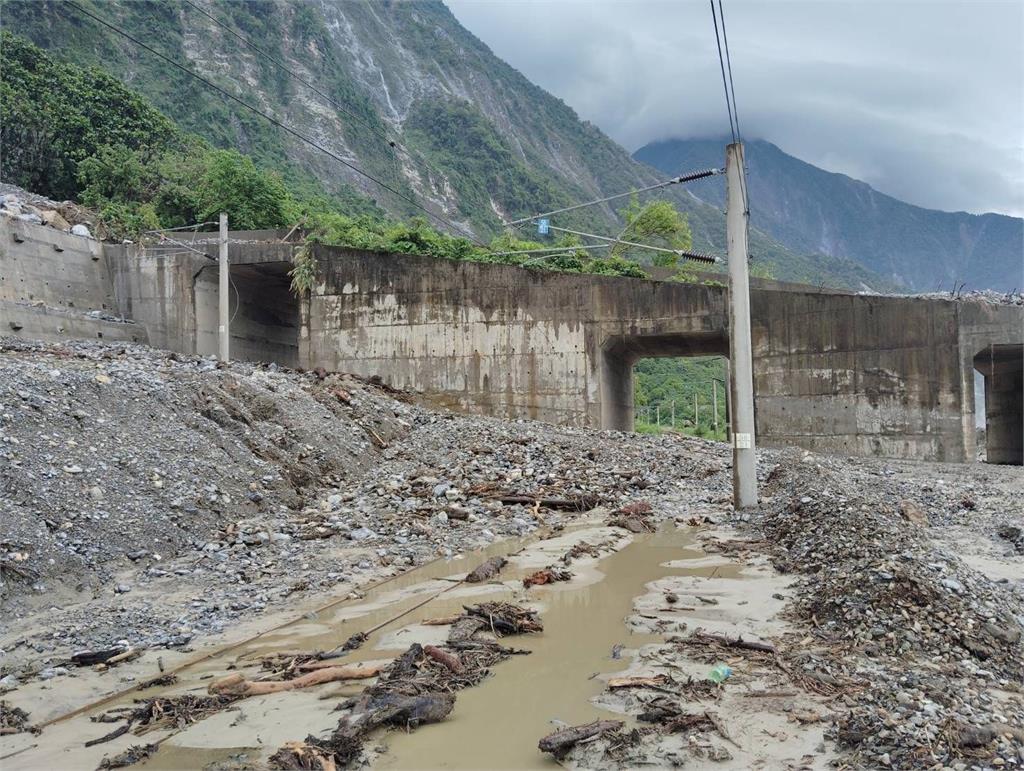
x: 730, y: 94
x: 696, y: 256
x: 275, y: 121
x: 283, y: 66
x: 674, y: 181
x: 728, y: 62
x: 721, y: 62
x: 394, y: 144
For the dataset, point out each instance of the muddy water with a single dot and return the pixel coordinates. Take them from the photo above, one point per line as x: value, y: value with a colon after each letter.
x: 498, y: 724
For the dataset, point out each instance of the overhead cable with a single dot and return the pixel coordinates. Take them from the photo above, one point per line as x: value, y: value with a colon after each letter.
x: 285, y: 127
x: 551, y: 249
x: 283, y: 66
x: 721, y: 62
x: 674, y: 181
x: 696, y: 256
x: 728, y: 64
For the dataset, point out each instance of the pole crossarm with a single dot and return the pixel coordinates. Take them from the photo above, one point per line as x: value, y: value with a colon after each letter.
x: 691, y: 177
x: 696, y: 256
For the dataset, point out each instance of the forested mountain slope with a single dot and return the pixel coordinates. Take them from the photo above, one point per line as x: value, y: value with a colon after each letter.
x: 809, y: 209
x: 412, y: 98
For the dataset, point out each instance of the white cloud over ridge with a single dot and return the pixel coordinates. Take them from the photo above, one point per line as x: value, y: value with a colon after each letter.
x: 922, y: 100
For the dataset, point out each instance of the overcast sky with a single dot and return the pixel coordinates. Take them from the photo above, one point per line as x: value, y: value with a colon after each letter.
x: 922, y: 99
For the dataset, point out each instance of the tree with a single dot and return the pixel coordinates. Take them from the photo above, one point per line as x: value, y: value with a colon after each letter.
x: 657, y: 223
x: 252, y: 198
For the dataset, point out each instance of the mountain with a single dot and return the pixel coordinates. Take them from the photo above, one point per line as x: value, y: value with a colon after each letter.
x: 809, y: 209
x: 473, y: 140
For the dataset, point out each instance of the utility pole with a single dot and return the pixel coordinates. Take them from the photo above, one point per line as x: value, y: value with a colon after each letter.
x: 673, y: 413
x: 657, y: 413
x: 744, y: 462
x: 223, y: 335
x: 714, y: 404
x: 696, y: 413
x: 728, y: 401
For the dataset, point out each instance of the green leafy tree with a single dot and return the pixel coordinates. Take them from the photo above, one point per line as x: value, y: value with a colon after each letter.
x: 252, y: 198
x: 658, y: 223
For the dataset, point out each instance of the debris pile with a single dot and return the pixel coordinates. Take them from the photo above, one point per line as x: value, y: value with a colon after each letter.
x: 128, y: 472
x: 929, y: 641
x: 417, y: 688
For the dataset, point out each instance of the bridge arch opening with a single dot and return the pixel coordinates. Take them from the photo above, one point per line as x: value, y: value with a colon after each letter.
x: 620, y: 354
x: 263, y: 309
x: 1002, y: 367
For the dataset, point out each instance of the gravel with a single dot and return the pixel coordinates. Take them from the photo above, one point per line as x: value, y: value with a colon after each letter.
x: 150, y: 498
x: 153, y: 497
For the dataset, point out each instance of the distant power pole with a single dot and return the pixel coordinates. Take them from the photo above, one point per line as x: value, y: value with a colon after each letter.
x: 657, y: 413
x: 673, y: 413
x: 696, y: 412
x: 223, y: 335
x: 744, y: 462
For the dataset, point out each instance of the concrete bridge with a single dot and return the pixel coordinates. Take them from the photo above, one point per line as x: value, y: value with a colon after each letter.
x: 834, y: 372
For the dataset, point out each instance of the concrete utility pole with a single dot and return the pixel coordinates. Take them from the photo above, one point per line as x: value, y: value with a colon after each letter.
x: 673, y: 413
x: 714, y: 404
x: 744, y: 463
x: 223, y: 333
x: 657, y: 413
x: 728, y: 401
x: 696, y: 412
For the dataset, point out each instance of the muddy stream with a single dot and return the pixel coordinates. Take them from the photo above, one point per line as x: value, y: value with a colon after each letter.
x: 494, y: 725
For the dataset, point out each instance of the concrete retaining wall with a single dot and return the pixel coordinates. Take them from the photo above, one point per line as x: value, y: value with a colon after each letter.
x: 834, y: 372
x: 57, y: 286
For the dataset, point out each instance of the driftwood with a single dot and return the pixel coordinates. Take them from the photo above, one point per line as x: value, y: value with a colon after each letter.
x: 441, y: 620
x: 634, y: 524
x: 638, y: 682
x: 443, y: 657
x: 353, y: 642
x: 560, y: 742
x: 236, y: 684
x: 89, y: 658
x: 580, y: 503
x: 302, y: 756
x: 487, y: 570
x: 119, y: 731
x: 546, y: 576
x: 739, y: 642
x: 506, y: 618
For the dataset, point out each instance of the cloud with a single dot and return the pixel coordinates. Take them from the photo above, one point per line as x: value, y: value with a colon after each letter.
x: 922, y: 100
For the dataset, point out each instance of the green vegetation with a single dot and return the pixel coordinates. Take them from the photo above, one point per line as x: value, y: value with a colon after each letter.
x: 83, y: 135
x: 663, y: 386
x: 656, y: 223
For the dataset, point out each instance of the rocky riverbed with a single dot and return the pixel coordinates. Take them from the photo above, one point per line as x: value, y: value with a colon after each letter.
x: 153, y: 502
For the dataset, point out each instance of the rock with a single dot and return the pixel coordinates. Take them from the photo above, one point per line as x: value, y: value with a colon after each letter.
x: 953, y: 585
x: 81, y: 230
x: 122, y: 589
x: 913, y: 513
x: 54, y: 220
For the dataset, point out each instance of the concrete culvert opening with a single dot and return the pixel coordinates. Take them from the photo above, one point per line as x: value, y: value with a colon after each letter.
x: 649, y: 382
x: 687, y: 395
x: 264, y: 313
x: 1002, y: 367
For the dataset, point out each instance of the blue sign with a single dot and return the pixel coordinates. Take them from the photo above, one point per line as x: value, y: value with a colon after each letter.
x: 543, y: 227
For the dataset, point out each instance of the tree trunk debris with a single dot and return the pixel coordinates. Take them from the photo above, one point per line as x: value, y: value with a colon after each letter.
x: 486, y: 570
x: 560, y: 742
